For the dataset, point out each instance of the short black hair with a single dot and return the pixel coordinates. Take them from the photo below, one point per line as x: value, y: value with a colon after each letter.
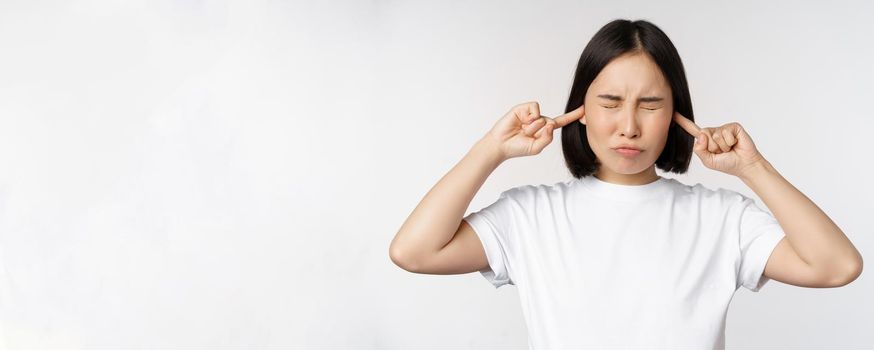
x: 614, y: 39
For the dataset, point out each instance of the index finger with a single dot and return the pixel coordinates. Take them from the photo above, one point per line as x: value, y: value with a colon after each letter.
x: 687, y: 124
x: 569, y: 117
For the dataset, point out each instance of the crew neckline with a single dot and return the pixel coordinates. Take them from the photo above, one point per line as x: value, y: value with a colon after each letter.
x: 625, y: 193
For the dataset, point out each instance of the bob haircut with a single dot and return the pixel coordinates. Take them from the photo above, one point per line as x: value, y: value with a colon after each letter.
x: 614, y: 39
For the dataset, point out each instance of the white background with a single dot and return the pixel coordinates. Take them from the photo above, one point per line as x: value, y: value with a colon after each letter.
x: 230, y: 174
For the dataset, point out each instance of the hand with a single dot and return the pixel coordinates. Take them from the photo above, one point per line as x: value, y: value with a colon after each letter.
x: 524, y: 132
x: 727, y: 148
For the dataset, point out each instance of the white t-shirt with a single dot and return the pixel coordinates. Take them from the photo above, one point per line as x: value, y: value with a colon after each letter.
x: 599, y: 265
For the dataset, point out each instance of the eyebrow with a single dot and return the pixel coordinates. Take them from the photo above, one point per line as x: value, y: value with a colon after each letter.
x: 642, y: 99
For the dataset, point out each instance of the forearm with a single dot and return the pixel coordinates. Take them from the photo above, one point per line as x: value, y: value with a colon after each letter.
x: 813, y: 235
x: 434, y: 221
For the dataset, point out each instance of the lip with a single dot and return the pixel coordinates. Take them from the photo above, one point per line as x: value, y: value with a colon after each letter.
x: 627, y: 151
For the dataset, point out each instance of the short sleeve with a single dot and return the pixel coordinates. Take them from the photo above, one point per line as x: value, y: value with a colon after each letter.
x: 493, y: 225
x: 759, y: 233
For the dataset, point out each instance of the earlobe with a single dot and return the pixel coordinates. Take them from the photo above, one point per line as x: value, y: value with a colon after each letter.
x: 583, y: 119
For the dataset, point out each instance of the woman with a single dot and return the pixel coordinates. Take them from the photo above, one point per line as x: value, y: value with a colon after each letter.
x: 620, y: 257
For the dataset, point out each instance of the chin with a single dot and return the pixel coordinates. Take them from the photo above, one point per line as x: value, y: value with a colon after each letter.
x: 628, y: 168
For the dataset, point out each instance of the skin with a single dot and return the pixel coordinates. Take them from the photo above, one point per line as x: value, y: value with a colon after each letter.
x: 622, y: 119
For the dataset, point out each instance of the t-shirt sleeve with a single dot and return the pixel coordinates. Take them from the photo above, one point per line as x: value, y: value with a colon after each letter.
x: 759, y: 233
x: 494, y: 226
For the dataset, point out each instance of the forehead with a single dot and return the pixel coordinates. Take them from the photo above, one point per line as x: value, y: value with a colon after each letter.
x: 635, y: 72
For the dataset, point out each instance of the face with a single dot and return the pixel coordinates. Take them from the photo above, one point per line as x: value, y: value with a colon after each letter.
x: 628, y: 104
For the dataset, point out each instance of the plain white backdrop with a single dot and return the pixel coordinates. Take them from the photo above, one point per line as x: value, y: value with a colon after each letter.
x: 230, y: 174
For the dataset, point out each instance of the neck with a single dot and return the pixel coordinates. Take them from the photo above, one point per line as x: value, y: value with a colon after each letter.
x: 641, y: 178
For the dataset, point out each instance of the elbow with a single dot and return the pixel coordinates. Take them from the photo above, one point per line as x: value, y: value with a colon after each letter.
x: 400, y: 259
x: 852, y: 272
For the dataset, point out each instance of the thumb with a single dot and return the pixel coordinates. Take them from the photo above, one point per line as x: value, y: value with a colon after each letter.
x: 544, y: 137
x: 700, y: 148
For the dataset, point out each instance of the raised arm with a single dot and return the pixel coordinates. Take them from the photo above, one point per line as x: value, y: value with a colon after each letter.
x: 433, y: 239
x: 434, y: 222
x: 815, y: 252
x: 812, y: 237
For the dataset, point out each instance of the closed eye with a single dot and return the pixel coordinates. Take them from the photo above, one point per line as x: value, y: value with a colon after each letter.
x: 612, y: 107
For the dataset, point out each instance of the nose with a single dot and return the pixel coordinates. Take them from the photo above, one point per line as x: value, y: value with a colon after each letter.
x: 629, y: 126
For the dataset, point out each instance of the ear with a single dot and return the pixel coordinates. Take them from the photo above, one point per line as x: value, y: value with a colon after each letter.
x: 583, y: 118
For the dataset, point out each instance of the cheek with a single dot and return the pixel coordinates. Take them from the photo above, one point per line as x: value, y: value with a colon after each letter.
x: 597, y: 131
x: 660, y: 131
x: 660, y: 124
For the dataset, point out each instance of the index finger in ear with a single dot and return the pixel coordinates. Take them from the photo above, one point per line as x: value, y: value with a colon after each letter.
x: 687, y: 124
x: 569, y: 117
